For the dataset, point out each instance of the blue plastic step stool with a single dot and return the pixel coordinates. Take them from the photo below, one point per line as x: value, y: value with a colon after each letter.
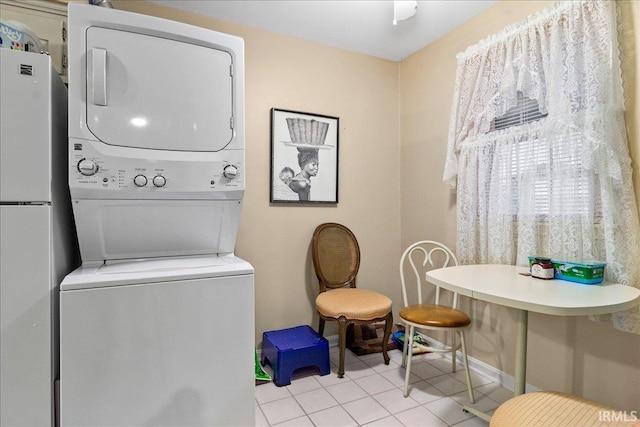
x: 289, y: 349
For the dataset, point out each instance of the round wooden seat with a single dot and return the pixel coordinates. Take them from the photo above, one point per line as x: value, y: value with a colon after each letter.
x: 435, y: 315
x: 549, y: 409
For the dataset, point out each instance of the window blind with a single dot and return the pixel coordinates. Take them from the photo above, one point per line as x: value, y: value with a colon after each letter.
x: 561, y: 186
x: 526, y: 110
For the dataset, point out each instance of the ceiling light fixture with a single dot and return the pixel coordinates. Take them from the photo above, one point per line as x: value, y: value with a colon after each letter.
x: 403, y: 10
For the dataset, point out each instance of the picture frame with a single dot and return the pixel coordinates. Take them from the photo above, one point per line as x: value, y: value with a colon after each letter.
x: 304, y: 157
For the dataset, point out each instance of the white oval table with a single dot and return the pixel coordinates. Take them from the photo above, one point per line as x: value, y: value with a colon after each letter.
x: 507, y: 286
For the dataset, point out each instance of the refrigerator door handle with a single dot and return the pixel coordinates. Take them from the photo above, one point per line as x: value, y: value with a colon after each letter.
x: 98, y: 76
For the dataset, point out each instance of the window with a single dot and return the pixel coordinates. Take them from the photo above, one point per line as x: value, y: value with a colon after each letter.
x: 561, y: 185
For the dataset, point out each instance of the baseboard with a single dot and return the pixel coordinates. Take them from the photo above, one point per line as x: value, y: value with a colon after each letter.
x: 501, y: 378
x: 334, y: 340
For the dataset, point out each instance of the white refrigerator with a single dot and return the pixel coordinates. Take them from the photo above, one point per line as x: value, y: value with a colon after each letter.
x: 38, y: 244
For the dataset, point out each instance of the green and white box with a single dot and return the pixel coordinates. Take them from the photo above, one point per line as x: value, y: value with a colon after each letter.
x: 587, y: 273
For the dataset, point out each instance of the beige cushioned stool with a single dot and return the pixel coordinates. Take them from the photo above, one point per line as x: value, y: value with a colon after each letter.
x: 353, y: 303
x: 546, y: 409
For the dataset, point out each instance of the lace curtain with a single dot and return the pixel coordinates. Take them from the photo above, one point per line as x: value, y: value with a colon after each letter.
x: 559, y: 186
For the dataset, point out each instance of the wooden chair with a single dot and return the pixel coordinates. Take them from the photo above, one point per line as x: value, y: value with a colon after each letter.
x: 336, y: 260
x: 417, y: 314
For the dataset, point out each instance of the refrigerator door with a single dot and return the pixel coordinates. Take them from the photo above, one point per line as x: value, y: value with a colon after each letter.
x: 25, y: 134
x: 26, y: 397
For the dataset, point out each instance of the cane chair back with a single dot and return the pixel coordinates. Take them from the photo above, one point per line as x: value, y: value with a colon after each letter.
x: 336, y: 260
x: 336, y: 256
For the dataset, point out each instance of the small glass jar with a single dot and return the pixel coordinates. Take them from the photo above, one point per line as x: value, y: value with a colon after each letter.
x: 542, y: 268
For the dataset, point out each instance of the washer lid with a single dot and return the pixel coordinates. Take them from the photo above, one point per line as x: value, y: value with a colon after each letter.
x: 155, y: 93
x: 135, y: 272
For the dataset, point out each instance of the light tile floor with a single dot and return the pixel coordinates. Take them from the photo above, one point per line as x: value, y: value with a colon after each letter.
x: 371, y: 394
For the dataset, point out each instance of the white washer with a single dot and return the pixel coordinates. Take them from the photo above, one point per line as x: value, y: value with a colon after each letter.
x: 158, y: 342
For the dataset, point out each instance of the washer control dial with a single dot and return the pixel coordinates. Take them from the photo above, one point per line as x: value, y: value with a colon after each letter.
x: 87, y: 167
x: 159, y: 181
x: 140, y: 180
x: 230, y: 171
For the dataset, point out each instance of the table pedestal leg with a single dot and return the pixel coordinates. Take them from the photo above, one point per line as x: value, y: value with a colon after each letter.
x: 477, y: 413
x: 521, y: 353
x: 520, y: 377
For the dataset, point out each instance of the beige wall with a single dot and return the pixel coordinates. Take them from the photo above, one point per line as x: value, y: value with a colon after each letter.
x: 294, y: 74
x: 568, y: 354
x: 392, y: 194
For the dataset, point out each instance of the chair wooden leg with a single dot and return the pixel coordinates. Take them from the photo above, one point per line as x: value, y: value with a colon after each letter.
x: 466, y: 367
x: 321, y: 327
x: 342, y: 341
x: 408, y: 342
x: 387, y: 333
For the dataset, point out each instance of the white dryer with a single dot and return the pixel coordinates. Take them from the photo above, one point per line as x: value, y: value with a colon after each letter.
x: 156, y: 135
x: 157, y: 325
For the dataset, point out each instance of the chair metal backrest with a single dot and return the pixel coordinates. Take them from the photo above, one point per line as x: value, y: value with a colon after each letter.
x: 336, y: 256
x: 418, y: 255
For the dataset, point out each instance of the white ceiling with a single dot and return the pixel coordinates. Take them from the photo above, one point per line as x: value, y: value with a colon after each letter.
x: 359, y: 26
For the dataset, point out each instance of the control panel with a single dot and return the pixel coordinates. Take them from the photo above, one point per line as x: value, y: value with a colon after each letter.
x: 113, y: 175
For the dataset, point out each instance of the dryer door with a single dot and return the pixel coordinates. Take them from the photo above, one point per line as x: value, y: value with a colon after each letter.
x: 150, y: 92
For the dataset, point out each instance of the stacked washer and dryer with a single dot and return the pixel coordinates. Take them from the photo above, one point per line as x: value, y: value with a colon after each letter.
x: 157, y: 325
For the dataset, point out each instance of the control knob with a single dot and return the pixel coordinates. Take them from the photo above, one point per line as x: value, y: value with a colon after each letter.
x: 230, y: 171
x: 87, y: 167
x: 159, y: 181
x: 140, y: 180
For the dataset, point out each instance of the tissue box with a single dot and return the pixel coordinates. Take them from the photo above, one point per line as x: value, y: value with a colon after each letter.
x: 587, y: 273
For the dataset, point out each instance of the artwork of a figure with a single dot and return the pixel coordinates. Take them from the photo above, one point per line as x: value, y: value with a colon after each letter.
x: 307, y: 136
x: 304, y: 182
x: 301, y: 182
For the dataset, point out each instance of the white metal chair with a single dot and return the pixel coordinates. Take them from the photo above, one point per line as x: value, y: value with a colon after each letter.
x: 417, y: 314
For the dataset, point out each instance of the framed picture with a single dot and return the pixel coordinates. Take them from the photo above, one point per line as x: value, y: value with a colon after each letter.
x: 304, y: 157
